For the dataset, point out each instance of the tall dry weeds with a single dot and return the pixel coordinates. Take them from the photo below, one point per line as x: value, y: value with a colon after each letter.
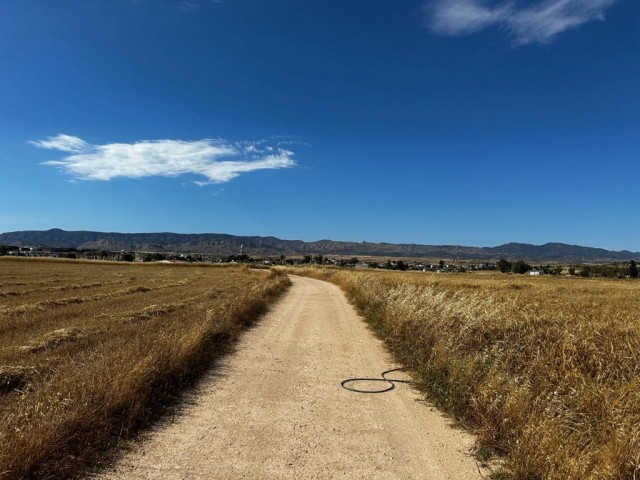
x: 546, y: 370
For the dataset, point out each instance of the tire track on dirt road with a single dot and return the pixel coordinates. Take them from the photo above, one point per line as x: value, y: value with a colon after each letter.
x: 275, y: 408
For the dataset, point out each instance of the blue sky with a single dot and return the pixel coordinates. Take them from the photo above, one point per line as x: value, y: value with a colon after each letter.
x: 441, y: 122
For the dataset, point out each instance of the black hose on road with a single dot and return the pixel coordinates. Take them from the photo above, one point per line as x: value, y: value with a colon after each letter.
x: 391, y: 381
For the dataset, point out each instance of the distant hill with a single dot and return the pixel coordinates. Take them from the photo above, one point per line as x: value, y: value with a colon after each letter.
x: 223, y: 244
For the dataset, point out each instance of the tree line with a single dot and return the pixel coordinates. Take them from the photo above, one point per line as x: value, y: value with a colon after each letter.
x: 608, y: 271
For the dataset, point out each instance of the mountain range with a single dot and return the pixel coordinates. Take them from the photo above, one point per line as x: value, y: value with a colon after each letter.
x: 223, y: 244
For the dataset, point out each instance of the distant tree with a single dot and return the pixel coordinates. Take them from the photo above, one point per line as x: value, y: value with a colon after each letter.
x: 633, y: 269
x: 72, y: 256
x: 400, y: 265
x: 306, y: 259
x: 128, y: 257
x: 318, y: 259
x: 354, y: 261
x: 608, y: 271
x: 571, y: 270
x: 4, y: 250
x: 585, y: 271
x: 503, y: 265
x: 441, y: 264
x: 520, y: 267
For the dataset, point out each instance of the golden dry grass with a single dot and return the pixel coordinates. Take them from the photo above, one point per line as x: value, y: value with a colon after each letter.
x: 91, y: 352
x: 546, y: 370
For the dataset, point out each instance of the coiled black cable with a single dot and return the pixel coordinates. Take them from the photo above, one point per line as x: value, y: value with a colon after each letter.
x: 391, y: 381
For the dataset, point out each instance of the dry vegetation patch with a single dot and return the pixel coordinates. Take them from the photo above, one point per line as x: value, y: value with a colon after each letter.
x: 54, y: 338
x: 13, y: 377
x: 547, y: 370
x: 78, y: 373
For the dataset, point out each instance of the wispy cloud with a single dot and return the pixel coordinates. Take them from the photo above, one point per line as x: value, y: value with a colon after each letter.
x: 528, y: 23
x: 62, y: 142
x: 191, y: 5
x: 217, y: 161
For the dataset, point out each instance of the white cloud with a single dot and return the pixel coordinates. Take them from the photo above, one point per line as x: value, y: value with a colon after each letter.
x: 532, y: 23
x: 215, y: 160
x: 545, y: 20
x: 62, y: 142
x: 457, y: 17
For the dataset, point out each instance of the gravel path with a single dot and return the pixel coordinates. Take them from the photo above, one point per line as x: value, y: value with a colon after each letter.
x: 275, y: 408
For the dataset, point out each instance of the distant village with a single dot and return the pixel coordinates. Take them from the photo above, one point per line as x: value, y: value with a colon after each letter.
x: 613, y: 270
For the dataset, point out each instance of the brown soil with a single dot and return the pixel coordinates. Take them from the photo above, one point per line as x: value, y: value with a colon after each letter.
x: 276, y: 409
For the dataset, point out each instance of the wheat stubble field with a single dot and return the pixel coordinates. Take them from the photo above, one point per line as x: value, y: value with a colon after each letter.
x: 545, y: 370
x: 90, y: 352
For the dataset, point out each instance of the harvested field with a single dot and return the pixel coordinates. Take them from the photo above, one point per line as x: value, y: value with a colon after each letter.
x: 90, y: 352
x: 545, y: 370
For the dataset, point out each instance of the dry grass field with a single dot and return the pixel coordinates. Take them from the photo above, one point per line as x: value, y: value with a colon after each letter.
x: 546, y: 370
x: 91, y: 352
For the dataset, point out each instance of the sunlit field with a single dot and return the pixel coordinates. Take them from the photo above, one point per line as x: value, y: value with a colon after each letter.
x: 91, y: 352
x: 546, y: 370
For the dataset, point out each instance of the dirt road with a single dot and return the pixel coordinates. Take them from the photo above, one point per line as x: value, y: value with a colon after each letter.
x: 275, y: 409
